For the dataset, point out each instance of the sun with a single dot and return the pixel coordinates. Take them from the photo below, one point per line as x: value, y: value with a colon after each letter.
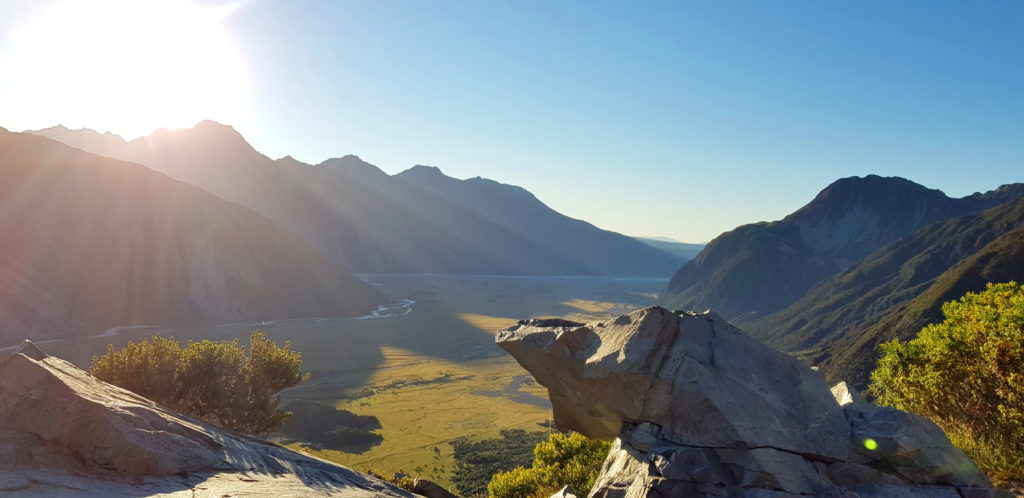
x: 127, y: 66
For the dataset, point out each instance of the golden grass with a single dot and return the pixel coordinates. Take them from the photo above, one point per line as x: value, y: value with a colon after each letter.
x: 487, y: 323
x: 454, y: 318
x: 588, y: 306
x: 417, y: 419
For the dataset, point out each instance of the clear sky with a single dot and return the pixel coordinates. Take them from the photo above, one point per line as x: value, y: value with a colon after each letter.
x: 681, y: 118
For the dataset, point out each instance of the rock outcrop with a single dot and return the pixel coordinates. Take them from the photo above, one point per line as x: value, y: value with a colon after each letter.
x: 65, y: 433
x: 430, y: 489
x: 697, y: 408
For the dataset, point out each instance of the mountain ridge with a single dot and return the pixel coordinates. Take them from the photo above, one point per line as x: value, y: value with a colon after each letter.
x: 761, y: 268
x: 93, y: 242
x: 898, y: 290
x: 374, y: 222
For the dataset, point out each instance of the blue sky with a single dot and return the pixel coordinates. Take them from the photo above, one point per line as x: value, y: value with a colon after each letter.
x: 681, y: 119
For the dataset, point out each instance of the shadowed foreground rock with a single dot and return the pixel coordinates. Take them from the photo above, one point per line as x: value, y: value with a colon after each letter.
x: 65, y: 433
x: 697, y: 408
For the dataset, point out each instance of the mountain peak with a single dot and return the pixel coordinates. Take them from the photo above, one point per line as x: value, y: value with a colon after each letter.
x: 206, y: 127
x: 211, y: 124
x: 1004, y: 193
x: 289, y: 162
x: 420, y: 171
x: 83, y: 138
x: 64, y: 130
x: 867, y: 183
x: 353, y: 165
x: 877, y: 193
x: 204, y: 134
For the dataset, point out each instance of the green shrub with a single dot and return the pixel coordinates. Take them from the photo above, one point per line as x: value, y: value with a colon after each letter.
x: 217, y: 382
x: 477, y: 461
x: 563, y: 460
x: 402, y: 481
x: 967, y: 375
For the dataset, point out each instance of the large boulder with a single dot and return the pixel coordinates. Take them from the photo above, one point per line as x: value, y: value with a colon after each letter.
x: 697, y: 408
x: 64, y: 432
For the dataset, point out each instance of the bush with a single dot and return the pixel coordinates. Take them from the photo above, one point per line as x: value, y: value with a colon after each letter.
x: 399, y: 480
x: 563, y: 460
x: 216, y: 382
x: 477, y: 461
x: 967, y: 375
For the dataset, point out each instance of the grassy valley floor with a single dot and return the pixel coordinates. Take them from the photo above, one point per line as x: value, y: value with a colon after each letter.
x: 430, y: 376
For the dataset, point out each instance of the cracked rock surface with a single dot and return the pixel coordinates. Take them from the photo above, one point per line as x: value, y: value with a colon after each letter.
x: 65, y: 433
x: 695, y: 407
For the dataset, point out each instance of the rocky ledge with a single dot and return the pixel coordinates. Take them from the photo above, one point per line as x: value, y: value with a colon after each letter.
x: 65, y: 433
x: 698, y: 408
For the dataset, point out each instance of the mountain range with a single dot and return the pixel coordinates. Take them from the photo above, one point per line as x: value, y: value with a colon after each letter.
x: 92, y: 242
x: 867, y: 260
x: 897, y: 290
x: 760, y: 268
x: 418, y: 221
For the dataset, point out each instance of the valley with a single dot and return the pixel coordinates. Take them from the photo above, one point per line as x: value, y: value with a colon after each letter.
x: 431, y: 375
x: 363, y: 249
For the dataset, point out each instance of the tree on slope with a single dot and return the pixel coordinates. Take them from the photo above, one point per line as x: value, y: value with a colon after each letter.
x: 222, y: 383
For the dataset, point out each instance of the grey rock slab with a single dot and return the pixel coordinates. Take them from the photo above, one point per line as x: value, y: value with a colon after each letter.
x: 913, y: 447
x: 430, y: 489
x: 565, y: 492
x: 695, y: 375
x: 697, y: 408
x: 71, y: 434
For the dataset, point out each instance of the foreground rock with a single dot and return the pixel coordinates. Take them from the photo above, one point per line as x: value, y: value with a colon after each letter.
x: 430, y: 489
x: 65, y: 433
x: 697, y: 408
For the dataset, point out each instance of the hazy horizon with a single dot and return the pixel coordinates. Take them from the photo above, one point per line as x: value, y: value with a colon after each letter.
x: 683, y: 120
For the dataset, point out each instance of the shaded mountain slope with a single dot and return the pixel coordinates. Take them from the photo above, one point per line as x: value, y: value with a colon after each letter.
x: 356, y: 214
x: 761, y: 268
x: 1001, y: 260
x: 217, y: 159
x: 342, y: 219
x: 92, y: 242
x: 520, y: 212
x: 897, y: 290
x: 424, y: 233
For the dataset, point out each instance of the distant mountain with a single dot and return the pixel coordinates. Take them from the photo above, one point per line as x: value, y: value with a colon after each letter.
x: 91, y: 242
x: 420, y: 221
x: 761, y: 268
x: 898, y: 290
x: 521, y: 213
x: 683, y: 250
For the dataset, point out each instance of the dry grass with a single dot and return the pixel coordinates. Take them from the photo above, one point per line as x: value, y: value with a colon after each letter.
x: 487, y: 323
x: 588, y: 306
x: 416, y: 419
x: 449, y: 332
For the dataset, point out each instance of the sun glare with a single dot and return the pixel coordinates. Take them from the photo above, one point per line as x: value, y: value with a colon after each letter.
x: 127, y: 66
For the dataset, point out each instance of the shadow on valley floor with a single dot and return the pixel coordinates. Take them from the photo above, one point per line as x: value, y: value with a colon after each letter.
x: 454, y: 319
x: 318, y: 426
